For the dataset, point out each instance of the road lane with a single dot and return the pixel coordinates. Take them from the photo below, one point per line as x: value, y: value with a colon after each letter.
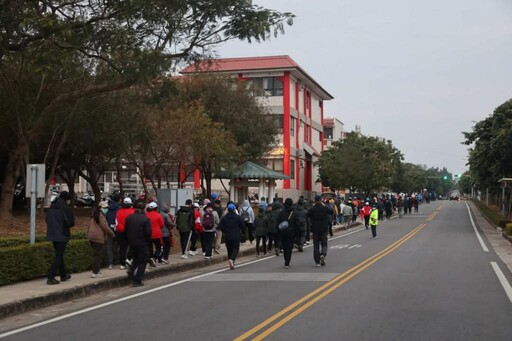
x: 401, y: 292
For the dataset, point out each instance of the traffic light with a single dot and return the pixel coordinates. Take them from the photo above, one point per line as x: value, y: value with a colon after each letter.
x: 445, y: 177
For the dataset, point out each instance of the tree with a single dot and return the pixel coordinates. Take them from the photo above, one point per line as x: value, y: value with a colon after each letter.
x: 53, y: 53
x: 490, y: 157
x: 360, y: 163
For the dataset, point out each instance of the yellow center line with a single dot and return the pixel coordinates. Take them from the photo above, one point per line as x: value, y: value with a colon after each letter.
x: 328, y: 284
x: 331, y: 289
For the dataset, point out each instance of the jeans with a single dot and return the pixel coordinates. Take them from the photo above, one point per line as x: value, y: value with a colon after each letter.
x: 250, y: 231
x: 263, y: 241
x: 273, y: 237
x: 193, y: 241
x: 110, y: 249
x: 208, y: 243
x: 374, y: 230
x: 58, y: 261
x: 366, y: 221
x: 184, y: 239
x: 233, y: 246
x: 319, y: 239
x: 140, y: 259
x: 96, y: 256
x: 123, y: 247
x: 157, y: 254
x: 167, y: 247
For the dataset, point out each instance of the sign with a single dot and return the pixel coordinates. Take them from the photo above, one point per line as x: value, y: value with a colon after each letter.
x: 40, y: 170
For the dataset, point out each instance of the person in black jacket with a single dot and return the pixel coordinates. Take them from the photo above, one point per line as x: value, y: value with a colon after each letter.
x: 59, y: 219
x: 302, y: 225
x: 287, y: 234
x: 319, y: 216
x: 138, y: 235
x: 232, y: 226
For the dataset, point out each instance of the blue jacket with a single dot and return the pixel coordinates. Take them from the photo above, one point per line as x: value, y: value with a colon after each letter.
x: 232, y: 226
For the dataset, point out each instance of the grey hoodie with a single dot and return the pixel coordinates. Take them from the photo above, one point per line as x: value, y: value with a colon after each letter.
x: 246, y: 206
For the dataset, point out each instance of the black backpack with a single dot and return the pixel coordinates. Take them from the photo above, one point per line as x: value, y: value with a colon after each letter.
x: 245, y: 215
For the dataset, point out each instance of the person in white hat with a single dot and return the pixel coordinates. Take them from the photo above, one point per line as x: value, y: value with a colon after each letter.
x: 121, y: 215
x: 157, y: 222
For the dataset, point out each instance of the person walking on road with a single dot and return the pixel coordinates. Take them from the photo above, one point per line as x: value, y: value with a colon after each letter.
x: 319, y: 216
x: 232, y: 226
x: 273, y: 235
x: 184, y: 224
x: 374, y: 221
x: 96, y: 233
x: 302, y: 225
x: 287, y: 230
x: 210, y: 223
x: 347, y: 214
x: 367, y: 210
x: 138, y: 235
x: 59, y: 220
x: 261, y: 225
x: 400, y: 206
x: 125, y: 210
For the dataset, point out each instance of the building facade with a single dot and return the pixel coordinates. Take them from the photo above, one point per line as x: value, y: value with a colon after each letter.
x: 297, y: 101
x: 333, y: 131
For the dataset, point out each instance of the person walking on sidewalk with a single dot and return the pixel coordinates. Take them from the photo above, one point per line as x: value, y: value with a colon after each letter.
x: 319, y: 216
x: 157, y: 223
x: 96, y: 233
x: 125, y: 210
x: 217, y: 207
x: 261, y: 225
x: 287, y: 227
x: 232, y: 226
x: 166, y: 232
x: 210, y: 222
x: 138, y: 236
x: 184, y: 224
x: 113, y: 207
x: 59, y: 220
x: 374, y: 221
x: 247, y: 214
x: 197, y: 230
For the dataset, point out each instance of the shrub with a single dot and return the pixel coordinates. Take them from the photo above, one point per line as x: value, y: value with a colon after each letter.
x: 16, y: 241
x: 508, y: 228
x: 26, y: 262
x: 491, y: 213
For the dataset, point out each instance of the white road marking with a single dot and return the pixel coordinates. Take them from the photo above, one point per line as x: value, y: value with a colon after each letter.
x: 355, y: 245
x: 270, y: 277
x: 106, y: 304
x: 478, y: 236
x: 503, y: 280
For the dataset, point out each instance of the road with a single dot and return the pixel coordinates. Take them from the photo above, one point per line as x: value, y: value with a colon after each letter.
x: 428, y: 276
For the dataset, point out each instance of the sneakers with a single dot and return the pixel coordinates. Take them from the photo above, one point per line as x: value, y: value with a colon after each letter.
x: 317, y: 265
x: 98, y: 275
x: 322, y: 260
x: 231, y: 264
x: 152, y: 263
x: 301, y: 249
x: 137, y: 284
x: 128, y: 262
x: 122, y: 267
x: 65, y: 278
x: 52, y: 281
x: 165, y: 261
x: 110, y: 267
x: 184, y: 256
x: 207, y: 257
x: 286, y: 266
x: 192, y: 253
x: 204, y: 253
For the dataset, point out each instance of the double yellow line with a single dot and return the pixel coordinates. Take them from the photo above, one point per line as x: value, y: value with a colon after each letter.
x: 281, y: 318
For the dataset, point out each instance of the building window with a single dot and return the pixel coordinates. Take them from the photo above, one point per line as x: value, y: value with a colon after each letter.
x: 306, y: 135
x: 292, y: 169
x: 267, y: 86
x: 292, y: 126
x: 275, y: 164
x: 308, y: 100
x: 328, y: 132
x: 320, y: 136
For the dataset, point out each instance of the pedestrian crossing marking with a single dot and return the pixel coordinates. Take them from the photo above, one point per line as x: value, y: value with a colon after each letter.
x: 269, y: 277
x: 344, y: 246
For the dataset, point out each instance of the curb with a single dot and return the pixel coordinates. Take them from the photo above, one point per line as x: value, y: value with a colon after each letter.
x: 81, y: 291
x: 499, y: 229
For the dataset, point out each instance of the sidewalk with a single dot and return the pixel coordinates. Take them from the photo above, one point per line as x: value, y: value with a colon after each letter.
x: 26, y: 296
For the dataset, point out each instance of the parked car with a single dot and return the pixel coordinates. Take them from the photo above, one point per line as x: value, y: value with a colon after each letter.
x: 86, y: 200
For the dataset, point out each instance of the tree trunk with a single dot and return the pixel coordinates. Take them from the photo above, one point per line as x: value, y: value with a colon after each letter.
x: 12, y: 173
x: 118, y: 177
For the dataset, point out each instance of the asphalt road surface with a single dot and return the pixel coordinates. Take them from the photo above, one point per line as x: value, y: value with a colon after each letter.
x: 428, y: 276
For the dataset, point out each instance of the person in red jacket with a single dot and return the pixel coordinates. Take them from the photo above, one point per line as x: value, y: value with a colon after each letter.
x: 157, y: 222
x: 367, y: 210
x: 121, y: 215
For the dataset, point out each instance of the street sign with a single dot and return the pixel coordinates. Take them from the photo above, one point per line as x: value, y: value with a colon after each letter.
x: 40, y: 170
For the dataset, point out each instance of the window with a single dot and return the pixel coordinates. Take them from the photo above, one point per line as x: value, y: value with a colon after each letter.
x: 292, y: 169
x: 277, y: 120
x: 267, y: 86
x: 275, y: 164
x: 306, y: 135
x: 320, y: 136
x: 328, y: 132
x: 292, y: 126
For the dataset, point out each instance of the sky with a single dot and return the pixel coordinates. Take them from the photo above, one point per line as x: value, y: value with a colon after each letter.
x: 416, y: 72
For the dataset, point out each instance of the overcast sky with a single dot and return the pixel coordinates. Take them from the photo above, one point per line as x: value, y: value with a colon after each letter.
x: 413, y: 71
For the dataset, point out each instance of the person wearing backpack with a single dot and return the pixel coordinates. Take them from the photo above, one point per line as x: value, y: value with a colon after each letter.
x: 261, y: 225
x: 302, y: 225
x: 273, y: 235
x: 184, y: 224
x: 247, y: 214
x: 210, y: 222
x: 166, y: 232
x: 287, y: 230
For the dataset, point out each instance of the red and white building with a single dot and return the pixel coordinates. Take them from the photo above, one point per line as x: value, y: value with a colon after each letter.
x: 297, y: 101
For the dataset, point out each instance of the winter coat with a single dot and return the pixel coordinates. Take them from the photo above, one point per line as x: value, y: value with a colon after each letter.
x: 97, y: 232
x: 366, y: 210
x: 183, y: 213
x: 138, y: 229
x: 113, y: 207
x: 59, y: 219
x: 246, y: 207
x: 301, y: 218
x: 231, y: 226
x: 121, y: 216
x: 347, y: 210
x: 288, y: 213
x: 374, y: 218
x: 168, y: 223
x: 157, y: 222
x: 277, y: 207
x: 261, y: 225
x: 319, y: 216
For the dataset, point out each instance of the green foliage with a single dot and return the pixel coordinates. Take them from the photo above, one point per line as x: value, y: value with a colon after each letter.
x: 465, y: 183
x: 508, y: 228
x: 37, y: 259
x: 492, y: 213
x: 359, y: 162
x: 16, y: 241
x: 490, y: 157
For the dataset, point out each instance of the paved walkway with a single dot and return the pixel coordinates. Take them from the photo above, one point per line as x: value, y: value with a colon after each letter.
x: 30, y: 295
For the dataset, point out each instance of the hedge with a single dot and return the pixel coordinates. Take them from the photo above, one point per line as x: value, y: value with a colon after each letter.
x: 508, y: 228
x: 494, y: 216
x: 16, y: 241
x: 27, y: 262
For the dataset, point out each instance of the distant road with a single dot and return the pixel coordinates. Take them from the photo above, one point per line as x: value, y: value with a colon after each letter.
x: 429, y: 276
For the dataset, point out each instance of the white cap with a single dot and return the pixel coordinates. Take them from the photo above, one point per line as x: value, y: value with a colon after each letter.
x: 195, y: 205
x: 152, y: 205
x: 127, y: 201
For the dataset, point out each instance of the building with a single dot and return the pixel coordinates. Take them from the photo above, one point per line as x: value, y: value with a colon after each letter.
x: 333, y: 131
x: 296, y: 100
